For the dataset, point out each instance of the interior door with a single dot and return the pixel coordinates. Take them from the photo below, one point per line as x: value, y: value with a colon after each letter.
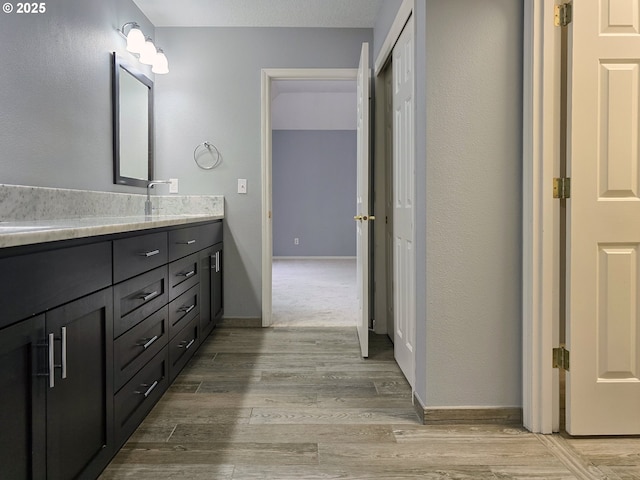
x: 362, y: 199
x: 404, y: 262
x: 603, y: 327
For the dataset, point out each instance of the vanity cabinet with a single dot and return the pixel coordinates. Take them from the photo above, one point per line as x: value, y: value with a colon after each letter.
x: 55, y: 375
x: 217, y: 292
x: 92, y: 332
x: 23, y: 400
x: 80, y: 393
x: 211, y: 289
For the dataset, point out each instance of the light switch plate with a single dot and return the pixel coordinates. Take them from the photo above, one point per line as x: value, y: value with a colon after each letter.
x: 173, y: 186
x: 242, y: 185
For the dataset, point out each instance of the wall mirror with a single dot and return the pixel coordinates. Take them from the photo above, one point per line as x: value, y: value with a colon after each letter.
x: 132, y: 125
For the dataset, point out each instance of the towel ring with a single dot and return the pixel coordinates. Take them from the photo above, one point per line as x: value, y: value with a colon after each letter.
x: 207, y: 156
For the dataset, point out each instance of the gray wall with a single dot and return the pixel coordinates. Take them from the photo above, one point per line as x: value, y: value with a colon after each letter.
x: 314, y: 192
x: 55, y: 93
x: 384, y: 20
x: 213, y: 93
x: 473, y: 204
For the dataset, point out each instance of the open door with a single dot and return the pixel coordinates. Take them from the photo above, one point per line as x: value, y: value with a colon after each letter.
x: 603, y: 257
x: 362, y: 200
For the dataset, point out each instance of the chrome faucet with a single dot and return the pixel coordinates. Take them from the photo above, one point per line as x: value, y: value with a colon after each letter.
x: 148, y: 208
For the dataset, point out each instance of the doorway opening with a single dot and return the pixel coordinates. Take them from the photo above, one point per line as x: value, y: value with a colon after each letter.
x: 314, y: 186
x: 308, y: 251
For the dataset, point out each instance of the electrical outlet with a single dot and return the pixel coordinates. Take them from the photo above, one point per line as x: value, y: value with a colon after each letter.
x: 296, y: 241
x: 173, y: 186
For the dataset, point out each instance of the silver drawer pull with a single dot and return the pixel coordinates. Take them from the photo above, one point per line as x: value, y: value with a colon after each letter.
x: 149, y: 390
x: 150, y: 254
x: 149, y: 296
x: 188, y: 242
x: 186, y: 309
x: 182, y: 345
x: 188, y: 274
x: 148, y: 342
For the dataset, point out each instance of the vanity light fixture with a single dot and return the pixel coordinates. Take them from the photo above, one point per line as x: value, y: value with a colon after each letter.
x: 141, y: 45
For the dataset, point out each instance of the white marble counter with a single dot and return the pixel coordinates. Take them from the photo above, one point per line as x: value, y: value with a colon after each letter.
x: 31, y: 215
x: 40, y: 231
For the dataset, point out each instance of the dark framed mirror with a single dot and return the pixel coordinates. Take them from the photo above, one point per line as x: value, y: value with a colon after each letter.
x: 132, y: 125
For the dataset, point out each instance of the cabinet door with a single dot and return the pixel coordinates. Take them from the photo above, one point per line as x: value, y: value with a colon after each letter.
x: 22, y: 400
x: 206, y: 320
x: 217, y: 290
x: 80, y: 402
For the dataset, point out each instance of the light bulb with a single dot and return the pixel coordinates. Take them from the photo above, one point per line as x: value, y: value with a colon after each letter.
x: 148, y: 53
x: 160, y: 63
x: 135, y: 39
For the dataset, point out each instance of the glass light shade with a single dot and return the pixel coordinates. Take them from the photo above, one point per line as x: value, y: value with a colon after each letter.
x: 135, y: 40
x: 148, y: 53
x: 160, y: 63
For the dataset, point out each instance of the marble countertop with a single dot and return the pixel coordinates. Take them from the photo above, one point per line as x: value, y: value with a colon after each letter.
x: 30, y: 232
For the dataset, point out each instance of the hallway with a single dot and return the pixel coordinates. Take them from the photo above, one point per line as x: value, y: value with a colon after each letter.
x: 302, y: 404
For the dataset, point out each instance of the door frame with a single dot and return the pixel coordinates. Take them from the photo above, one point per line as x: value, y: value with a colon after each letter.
x: 540, y: 215
x: 268, y: 75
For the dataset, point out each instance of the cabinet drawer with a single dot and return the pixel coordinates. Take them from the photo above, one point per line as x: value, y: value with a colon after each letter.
x: 185, y: 241
x: 132, y: 256
x: 183, y: 309
x: 183, y: 346
x: 139, y: 297
x: 183, y: 274
x: 136, y: 347
x: 139, y: 395
x: 33, y: 283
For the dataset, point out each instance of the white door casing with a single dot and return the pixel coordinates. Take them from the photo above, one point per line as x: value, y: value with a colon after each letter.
x: 603, y: 293
x: 362, y: 199
x: 404, y: 273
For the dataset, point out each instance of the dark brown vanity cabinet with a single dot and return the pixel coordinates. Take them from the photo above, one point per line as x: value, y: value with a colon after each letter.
x: 211, y: 289
x: 22, y: 400
x: 217, y: 291
x: 56, y: 384
x: 80, y: 393
x: 92, y: 332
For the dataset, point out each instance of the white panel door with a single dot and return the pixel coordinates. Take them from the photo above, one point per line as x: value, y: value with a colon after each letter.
x: 362, y: 199
x: 404, y: 262
x: 603, y: 329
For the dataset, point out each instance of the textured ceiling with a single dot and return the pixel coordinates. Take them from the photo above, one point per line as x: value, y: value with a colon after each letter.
x: 261, y: 13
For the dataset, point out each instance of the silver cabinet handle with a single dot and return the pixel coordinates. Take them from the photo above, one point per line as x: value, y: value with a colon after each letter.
x: 149, y: 390
x: 186, y: 275
x: 150, y: 254
x: 52, y: 365
x: 52, y: 361
x: 217, y: 262
x: 148, y: 342
x: 188, y: 344
x: 188, y: 242
x: 186, y: 309
x: 64, y: 351
x: 149, y: 296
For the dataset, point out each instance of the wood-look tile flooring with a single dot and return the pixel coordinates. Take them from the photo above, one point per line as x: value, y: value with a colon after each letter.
x: 287, y: 404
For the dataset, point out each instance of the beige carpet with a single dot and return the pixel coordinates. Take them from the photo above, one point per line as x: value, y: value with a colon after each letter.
x: 314, y: 292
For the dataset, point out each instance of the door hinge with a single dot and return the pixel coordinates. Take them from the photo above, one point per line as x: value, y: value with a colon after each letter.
x: 562, y: 15
x: 562, y: 187
x: 561, y: 358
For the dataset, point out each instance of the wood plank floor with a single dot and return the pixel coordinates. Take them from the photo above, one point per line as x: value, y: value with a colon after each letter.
x: 287, y: 404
